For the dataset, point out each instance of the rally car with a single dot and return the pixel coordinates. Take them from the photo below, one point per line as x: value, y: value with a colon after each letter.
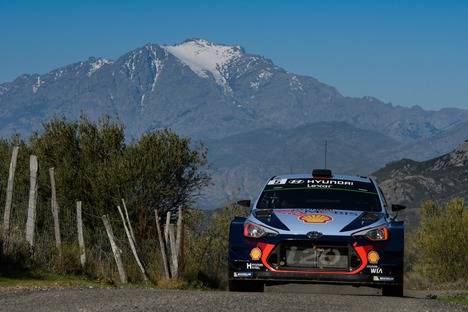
x: 318, y: 228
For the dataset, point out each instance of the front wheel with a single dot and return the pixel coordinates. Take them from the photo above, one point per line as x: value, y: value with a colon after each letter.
x: 393, y: 291
x: 246, y: 286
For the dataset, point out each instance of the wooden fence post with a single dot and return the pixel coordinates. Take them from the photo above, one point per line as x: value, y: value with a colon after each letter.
x: 162, y: 245
x: 9, y: 198
x: 172, y: 245
x: 180, y: 232
x: 79, y: 224
x: 166, y: 227
x: 180, y: 240
x: 31, y: 221
x: 115, y: 249
x: 55, y: 212
x: 132, y: 245
x: 128, y: 220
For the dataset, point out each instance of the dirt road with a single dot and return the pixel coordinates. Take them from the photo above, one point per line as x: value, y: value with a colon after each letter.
x: 275, y: 299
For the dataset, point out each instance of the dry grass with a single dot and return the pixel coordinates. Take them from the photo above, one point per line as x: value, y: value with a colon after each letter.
x: 173, y: 284
x: 47, y: 280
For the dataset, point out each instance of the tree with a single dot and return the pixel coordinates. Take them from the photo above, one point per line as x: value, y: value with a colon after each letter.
x: 95, y: 164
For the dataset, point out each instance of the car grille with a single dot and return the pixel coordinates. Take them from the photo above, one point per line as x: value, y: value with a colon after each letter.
x: 310, y: 256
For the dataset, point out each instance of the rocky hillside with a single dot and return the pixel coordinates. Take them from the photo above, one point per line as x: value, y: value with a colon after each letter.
x: 440, y: 179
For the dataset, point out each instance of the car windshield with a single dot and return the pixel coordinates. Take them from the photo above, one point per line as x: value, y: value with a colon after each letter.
x: 320, y: 194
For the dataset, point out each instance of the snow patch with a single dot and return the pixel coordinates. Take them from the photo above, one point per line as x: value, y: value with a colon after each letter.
x: 58, y: 74
x: 262, y: 77
x: 38, y: 84
x: 96, y: 65
x: 3, y: 90
x: 206, y: 58
x: 130, y: 64
x: 157, y: 66
x: 295, y: 83
x: 142, y: 104
x: 254, y: 84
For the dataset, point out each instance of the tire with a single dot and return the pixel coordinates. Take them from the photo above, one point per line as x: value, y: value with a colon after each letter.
x: 393, y: 291
x: 246, y: 286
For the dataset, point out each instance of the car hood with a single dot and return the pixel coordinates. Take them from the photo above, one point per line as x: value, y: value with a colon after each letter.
x: 327, y: 221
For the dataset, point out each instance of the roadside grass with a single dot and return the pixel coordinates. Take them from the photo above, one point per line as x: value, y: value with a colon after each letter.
x: 458, y: 298
x: 43, y: 279
x: 49, y: 280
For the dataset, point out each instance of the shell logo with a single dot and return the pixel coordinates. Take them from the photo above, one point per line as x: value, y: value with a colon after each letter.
x: 373, y: 257
x: 255, y: 254
x: 315, y: 218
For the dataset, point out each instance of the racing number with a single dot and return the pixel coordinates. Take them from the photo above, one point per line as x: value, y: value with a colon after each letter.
x: 318, y: 257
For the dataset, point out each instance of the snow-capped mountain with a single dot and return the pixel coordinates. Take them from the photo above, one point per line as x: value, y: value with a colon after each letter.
x: 220, y: 94
x: 206, y: 58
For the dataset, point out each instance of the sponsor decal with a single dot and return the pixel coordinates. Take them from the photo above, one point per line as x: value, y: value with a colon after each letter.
x: 315, y: 218
x: 301, y: 212
x: 243, y: 274
x: 346, y: 213
x: 296, y: 181
x: 383, y: 279
x: 321, y: 186
x: 373, y: 257
x: 255, y: 254
x: 277, y: 181
x: 375, y: 269
x: 254, y: 266
x: 312, y: 182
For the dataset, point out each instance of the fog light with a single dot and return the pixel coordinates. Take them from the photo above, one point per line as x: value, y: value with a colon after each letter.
x: 373, y: 257
x: 255, y: 254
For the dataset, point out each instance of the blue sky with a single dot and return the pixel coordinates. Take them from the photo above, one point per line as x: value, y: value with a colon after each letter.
x: 403, y: 52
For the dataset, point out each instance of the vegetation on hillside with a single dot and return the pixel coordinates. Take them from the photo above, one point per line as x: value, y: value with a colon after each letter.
x: 437, y: 251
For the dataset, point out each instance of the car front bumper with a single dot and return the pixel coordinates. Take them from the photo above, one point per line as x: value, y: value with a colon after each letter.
x: 388, y: 271
x: 360, y: 279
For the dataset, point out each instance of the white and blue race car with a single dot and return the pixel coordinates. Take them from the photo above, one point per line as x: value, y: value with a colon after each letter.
x: 319, y: 228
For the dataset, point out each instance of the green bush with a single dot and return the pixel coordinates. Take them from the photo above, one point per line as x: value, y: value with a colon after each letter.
x: 439, y: 248
x: 207, y: 246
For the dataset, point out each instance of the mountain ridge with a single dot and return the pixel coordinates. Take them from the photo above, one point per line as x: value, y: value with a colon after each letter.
x: 254, y: 82
x: 215, y: 92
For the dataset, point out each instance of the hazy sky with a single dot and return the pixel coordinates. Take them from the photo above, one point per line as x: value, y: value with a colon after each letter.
x: 404, y: 52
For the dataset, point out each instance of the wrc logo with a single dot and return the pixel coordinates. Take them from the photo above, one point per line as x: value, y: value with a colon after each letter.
x: 376, y: 270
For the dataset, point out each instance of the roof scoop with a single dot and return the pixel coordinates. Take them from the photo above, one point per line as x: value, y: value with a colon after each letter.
x: 322, y: 173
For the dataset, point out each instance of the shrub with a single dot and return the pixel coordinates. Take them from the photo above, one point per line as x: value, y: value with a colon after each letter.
x: 441, y: 243
x: 207, y: 247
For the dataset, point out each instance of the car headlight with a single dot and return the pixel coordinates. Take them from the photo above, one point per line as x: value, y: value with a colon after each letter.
x: 253, y: 230
x: 376, y: 234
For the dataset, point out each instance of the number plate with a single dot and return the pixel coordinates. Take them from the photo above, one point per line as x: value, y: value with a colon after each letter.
x: 319, y: 257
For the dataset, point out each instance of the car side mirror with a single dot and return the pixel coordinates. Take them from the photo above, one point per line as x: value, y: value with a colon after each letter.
x: 244, y: 203
x: 396, y: 207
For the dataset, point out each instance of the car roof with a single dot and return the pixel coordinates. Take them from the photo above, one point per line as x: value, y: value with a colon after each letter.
x: 334, y: 176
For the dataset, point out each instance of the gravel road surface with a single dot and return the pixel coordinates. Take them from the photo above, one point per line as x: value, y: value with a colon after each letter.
x: 275, y: 299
